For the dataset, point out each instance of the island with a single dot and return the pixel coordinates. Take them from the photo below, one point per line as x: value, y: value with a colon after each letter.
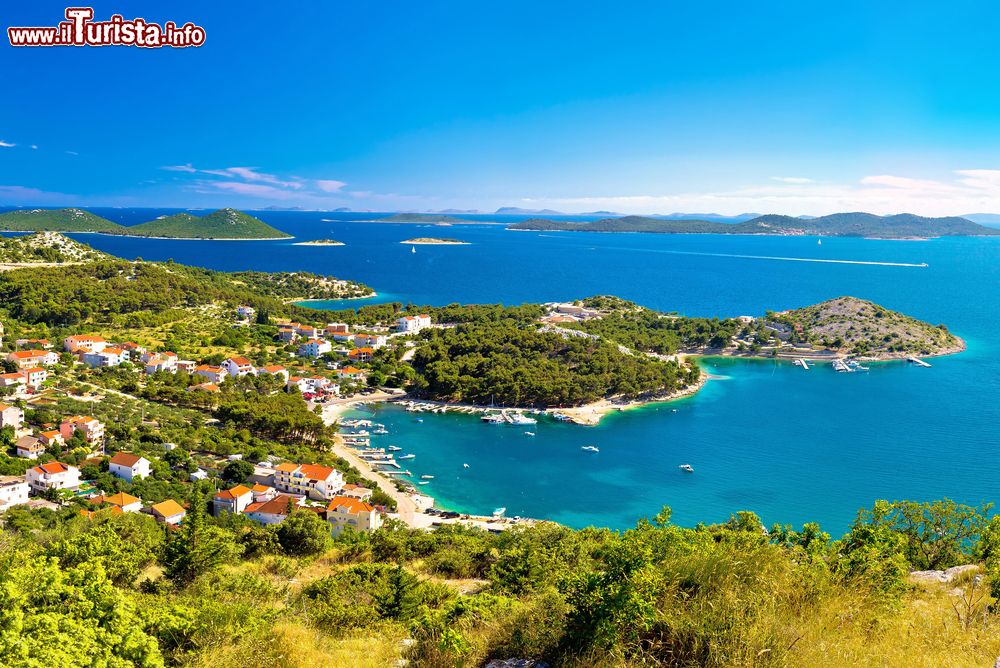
x: 432, y: 218
x: 221, y: 225
x: 319, y: 242
x: 55, y: 220
x: 431, y: 241
x: 901, y: 226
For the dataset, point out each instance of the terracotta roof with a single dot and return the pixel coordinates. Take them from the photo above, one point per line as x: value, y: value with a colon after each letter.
x: 125, y: 459
x: 260, y: 488
x: 35, y: 369
x: 120, y: 499
x: 28, y: 354
x: 85, y: 337
x: 167, y: 508
x: 51, y: 467
x: 89, y: 514
x: 286, y: 467
x: 316, y: 472
x: 51, y: 434
x: 276, y: 506
x: 4, y: 407
x: 233, y: 492
x: 352, y: 505
x: 78, y: 419
x: 240, y: 361
x: 274, y: 368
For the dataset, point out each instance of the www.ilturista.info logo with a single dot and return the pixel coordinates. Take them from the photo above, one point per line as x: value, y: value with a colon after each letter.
x: 80, y: 29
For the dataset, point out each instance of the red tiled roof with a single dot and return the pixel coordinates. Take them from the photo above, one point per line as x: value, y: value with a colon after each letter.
x: 276, y: 506
x: 125, y: 459
x: 352, y: 505
x: 51, y: 467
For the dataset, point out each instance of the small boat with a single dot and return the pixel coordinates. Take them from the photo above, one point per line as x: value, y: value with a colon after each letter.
x: 819, y: 242
x: 419, y: 420
x: 499, y: 511
x: 394, y: 448
x: 520, y: 418
x: 562, y: 417
x: 427, y: 477
x: 465, y: 466
x: 424, y: 482
x: 493, y: 418
x: 413, y: 249
x: 687, y: 468
x: 380, y: 431
x: 529, y: 433
x: 590, y: 448
x: 410, y: 456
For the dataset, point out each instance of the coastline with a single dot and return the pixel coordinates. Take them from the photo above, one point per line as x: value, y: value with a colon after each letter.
x: 426, y: 242
x: 319, y: 243
x: 296, y: 300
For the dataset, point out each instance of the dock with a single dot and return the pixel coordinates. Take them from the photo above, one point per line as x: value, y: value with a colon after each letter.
x: 918, y: 362
x: 802, y: 363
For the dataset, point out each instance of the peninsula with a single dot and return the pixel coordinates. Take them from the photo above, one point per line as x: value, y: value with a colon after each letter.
x: 55, y: 220
x: 901, y: 226
x: 224, y: 224
x: 431, y: 241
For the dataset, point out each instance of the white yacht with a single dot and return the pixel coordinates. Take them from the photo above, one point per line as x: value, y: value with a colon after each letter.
x: 590, y: 448
x: 687, y: 468
x: 410, y: 456
x: 520, y: 419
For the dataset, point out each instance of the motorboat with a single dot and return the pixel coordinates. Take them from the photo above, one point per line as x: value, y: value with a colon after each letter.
x: 410, y: 456
x: 394, y: 448
x: 427, y: 477
x: 529, y: 433
x: 499, y: 511
x: 520, y: 419
x: 493, y: 418
x: 687, y: 468
x: 590, y: 448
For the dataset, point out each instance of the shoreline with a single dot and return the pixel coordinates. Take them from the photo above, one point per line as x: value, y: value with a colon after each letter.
x: 416, y: 242
x: 296, y: 300
x: 318, y: 243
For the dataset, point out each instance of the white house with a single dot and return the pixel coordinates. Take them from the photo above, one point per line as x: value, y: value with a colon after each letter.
x: 13, y: 491
x: 128, y: 467
x: 29, y: 447
x: 345, y: 512
x: 238, y: 366
x: 411, y: 324
x: 274, y: 370
x: 274, y: 511
x: 84, y: 342
x: 53, y: 475
x: 312, y: 480
x: 154, y: 362
x: 11, y: 416
x: 28, y: 359
x: 106, y: 357
x: 234, y: 500
x: 369, y: 340
x: 35, y: 377
x: 213, y: 374
x: 314, y: 348
x: 12, y: 379
x: 246, y: 312
x: 168, y: 512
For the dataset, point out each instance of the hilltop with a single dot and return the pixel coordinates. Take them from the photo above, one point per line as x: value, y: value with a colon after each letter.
x: 859, y: 327
x: 45, y: 247
x: 55, y: 220
x: 901, y: 226
x: 221, y: 224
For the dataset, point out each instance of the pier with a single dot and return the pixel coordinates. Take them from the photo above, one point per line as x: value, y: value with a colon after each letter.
x: 918, y: 362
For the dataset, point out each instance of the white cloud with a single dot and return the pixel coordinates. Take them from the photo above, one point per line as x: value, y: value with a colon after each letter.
x: 180, y: 168
x: 330, y: 186
x: 72, y: 153
x: 6, y: 144
x: 794, y: 180
x: 34, y: 146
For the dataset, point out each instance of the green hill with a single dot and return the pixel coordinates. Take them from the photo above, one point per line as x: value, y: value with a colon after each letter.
x: 221, y: 224
x: 46, y: 247
x: 55, y: 220
x: 904, y: 225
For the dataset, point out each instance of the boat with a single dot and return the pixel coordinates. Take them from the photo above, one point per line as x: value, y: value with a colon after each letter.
x: 493, y: 418
x: 529, y: 433
x: 687, y: 468
x: 562, y: 417
x: 380, y: 431
x: 427, y: 477
x: 419, y: 420
x: 410, y: 456
x: 590, y: 448
x: 819, y: 242
x: 465, y: 466
x: 394, y: 448
x: 499, y: 511
x: 520, y: 418
x: 413, y: 249
x: 424, y: 482
x: 840, y: 366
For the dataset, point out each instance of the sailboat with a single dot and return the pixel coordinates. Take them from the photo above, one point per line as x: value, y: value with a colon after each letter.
x: 819, y: 242
x: 413, y: 249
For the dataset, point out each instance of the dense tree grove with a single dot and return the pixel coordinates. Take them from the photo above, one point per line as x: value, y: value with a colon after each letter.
x: 121, y: 591
x: 522, y: 366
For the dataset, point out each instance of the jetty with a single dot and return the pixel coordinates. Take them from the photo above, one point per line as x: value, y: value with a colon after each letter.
x: 918, y: 362
x: 802, y: 363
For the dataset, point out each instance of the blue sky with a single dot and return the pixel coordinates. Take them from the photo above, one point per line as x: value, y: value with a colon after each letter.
x: 640, y: 107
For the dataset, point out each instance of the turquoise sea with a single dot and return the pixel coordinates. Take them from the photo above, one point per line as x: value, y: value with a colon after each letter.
x: 792, y: 445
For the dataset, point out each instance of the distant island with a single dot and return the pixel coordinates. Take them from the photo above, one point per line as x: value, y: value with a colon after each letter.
x: 55, y: 220
x: 224, y: 224
x: 431, y: 241
x: 432, y: 218
x: 320, y: 242
x: 901, y: 226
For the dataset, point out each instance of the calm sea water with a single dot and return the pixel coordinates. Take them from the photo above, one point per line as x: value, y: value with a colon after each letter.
x: 792, y: 445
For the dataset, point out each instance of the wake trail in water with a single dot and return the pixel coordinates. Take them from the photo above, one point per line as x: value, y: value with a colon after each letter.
x: 922, y: 265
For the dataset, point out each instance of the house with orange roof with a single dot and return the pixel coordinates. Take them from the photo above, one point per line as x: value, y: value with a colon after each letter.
x: 288, y: 332
x: 91, y: 428
x: 349, y: 372
x: 128, y: 466
x: 411, y: 324
x: 312, y: 480
x: 84, y: 343
x: 127, y: 502
x: 274, y: 370
x: 12, y: 379
x: 263, y: 492
x: 238, y: 367
x: 361, y: 354
x: 314, y: 348
x: 109, y: 356
x: 34, y: 344
x: 274, y: 511
x: 51, y: 437
x: 35, y: 377
x: 345, y: 512
x: 335, y: 329
x: 11, y: 416
x: 91, y: 514
x: 212, y: 374
x: 205, y: 387
x: 52, y: 475
x: 168, y: 512
x: 234, y: 500
x: 356, y: 492
x: 153, y: 362
x: 370, y: 340
x: 29, y: 359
